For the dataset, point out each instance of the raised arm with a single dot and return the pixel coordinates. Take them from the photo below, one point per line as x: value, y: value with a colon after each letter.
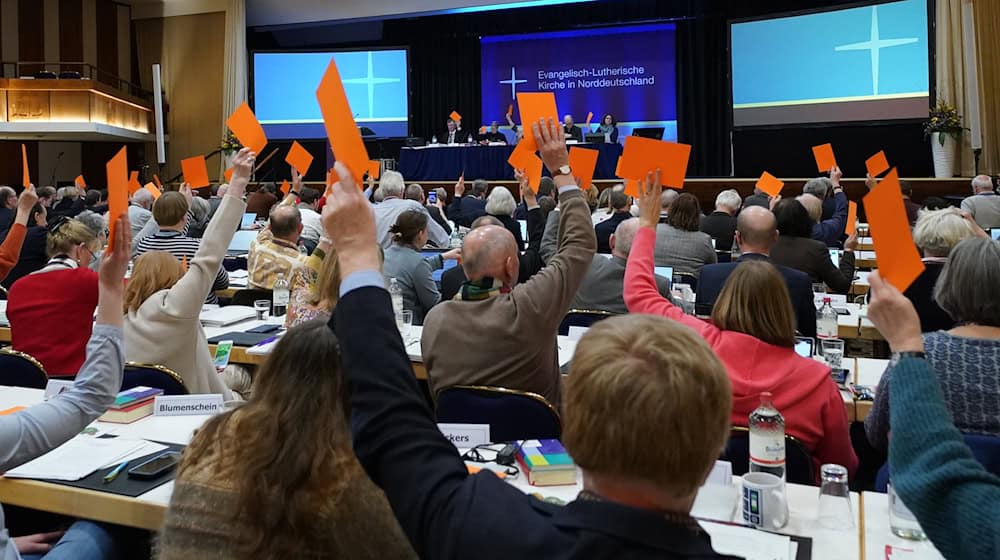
x: 40, y: 428
x: 10, y: 250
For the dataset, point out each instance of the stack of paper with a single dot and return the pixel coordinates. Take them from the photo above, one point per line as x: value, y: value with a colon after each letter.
x: 79, y: 457
x: 749, y: 543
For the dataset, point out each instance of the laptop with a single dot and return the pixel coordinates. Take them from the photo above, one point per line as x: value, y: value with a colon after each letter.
x: 595, y: 138
x: 524, y: 230
x: 995, y: 233
x: 240, y: 245
x: 664, y: 271
x: 656, y: 133
x: 835, y: 257
x: 248, y: 220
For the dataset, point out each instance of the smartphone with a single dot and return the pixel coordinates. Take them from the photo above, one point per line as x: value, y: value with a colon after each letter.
x: 804, y: 346
x: 222, y: 351
x: 842, y: 310
x: 432, y: 197
x: 264, y: 329
x: 155, y: 467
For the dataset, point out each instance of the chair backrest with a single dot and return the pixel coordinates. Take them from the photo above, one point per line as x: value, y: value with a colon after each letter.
x: 250, y: 295
x: 151, y: 375
x: 686, y: 278
x: 582, y: 318
x: 3, y: 293
x: 799, y: 465
x: 986, y: 450
x: 18, y: 369
x: 511, y: 414
x: 69, y: 75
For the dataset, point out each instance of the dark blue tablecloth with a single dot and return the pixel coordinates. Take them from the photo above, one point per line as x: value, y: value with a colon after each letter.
x: 483, y: 162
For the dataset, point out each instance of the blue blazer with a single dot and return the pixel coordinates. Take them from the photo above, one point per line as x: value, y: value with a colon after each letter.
x: 448, y: 513
x: 714, y: 276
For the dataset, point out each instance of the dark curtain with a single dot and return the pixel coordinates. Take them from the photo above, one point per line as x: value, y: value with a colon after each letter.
x: 444, y: 77
x: 703, y: 116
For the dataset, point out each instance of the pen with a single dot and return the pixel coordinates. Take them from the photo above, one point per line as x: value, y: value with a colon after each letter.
x: 111, y: 476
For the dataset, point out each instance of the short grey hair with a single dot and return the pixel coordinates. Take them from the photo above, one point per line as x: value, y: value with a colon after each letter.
x: 500, y: 202
x: 667, y: 198
x: 729, y: 198
x: 624, y: 235
x: 5, y: 193
x: 937, y: 232
x: 982, y: 183
x: 479, y: 187
x: 94, y: 221
x: 414, y: 192
x: 441, y: 194
x: 967, y: 287
x: 142, y: 197
x: 391, y: 184
x: 200, y: 208
x: 813, y: 204
x: 819, y: 187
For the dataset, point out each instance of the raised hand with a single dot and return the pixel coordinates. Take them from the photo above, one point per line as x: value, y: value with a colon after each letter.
x: 114, y: 263
x: 527, y: 194
x: 25, y: 202
x: 296, y: 181
x: 836, y: 174
x: 650, y: 190
x: 186, y: 191
x: 460, y: 186
x: 243, y: 163
x: 551, y: 141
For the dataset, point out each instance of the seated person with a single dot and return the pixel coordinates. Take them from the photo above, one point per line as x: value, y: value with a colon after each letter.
x: 34, y: 251
x: 465, y: 209
x: 984, y: 204
x: 513, y: 344
x: 163, y: 301
x: 572, y: 131
x: 36, y: 430
x: 619, y: 203
x: 952, y: 496
x: 275, y: 253
x: 637, y: 497
x: 797, y: 249
x: 412, y: 271
x: 828, y: 230
x: 139, y: 211
x: 57, y: 302
x: 8, y: 202
x: 756, y: 234
x: 680, y: 242
x: 70, y: 203
x: 609, y: 128
x: 262, y: 200
x: 170, y: 212
x: 294, y: 489
x: 311, y: 290
x: 415, y: 192
x: 501, y: 205
x: 393, y: 204
x: 721, y: 224
x: 493, y: 134
x: 602, y: 287
x: 753, y: 333
x: 965, y: 359
x: 13, y: 240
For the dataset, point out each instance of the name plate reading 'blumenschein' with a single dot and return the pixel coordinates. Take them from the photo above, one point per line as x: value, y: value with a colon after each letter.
x: 187, y: 405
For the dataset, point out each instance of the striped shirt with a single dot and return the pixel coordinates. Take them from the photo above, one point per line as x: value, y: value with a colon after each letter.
x: 181, y: 246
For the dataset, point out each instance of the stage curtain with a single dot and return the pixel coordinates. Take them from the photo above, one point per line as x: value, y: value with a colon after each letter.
x: 703, y: 117
x: 950, y: 71
x: 234, y: 79
x: 987, y: 15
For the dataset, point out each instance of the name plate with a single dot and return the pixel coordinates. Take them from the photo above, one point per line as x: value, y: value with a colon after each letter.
x: 466, y: 435
x: 187, y: 405
x: 57, y: 387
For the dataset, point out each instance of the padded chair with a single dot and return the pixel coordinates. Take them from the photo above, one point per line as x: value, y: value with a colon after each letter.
x: 723, y: 256
x: 249, y: 295
x: 582, y: 318
x: 151, y: 375
x: 18, y: 369
x: 686, y: 278
x: 511, y: 414
x: 234, y: 263
x: 799, y: 465
x: 45, y: 75
x: 69, y: 75
x: 986, y: 450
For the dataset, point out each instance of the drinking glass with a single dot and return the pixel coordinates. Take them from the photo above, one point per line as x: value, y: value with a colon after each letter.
x: 902, y: 522
x: 263, y: 308
x: 835, y: 499
x: 404, y: 320
x: 833, y: 352
x: 819, y: 288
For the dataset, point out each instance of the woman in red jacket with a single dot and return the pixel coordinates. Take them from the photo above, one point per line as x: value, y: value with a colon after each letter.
x: 51, y: 311
x: 753, y: 332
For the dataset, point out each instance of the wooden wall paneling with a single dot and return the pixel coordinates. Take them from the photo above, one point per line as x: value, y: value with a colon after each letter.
x: 69, y: 106
x: 107, y: 41
x: 3, y: 106
x: 27, y: 105
x: 71, y: 34
x: 31, y: 34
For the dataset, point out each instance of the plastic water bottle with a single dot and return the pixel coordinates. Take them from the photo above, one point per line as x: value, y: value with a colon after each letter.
x: 396, y: 293
x: 767, y: 438
x: 734, y: 252
x: 279, y: 305
x: 434, y: 139
x: 826, y: 321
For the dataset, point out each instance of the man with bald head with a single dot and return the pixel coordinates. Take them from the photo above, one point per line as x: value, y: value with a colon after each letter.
x: 275, y: 253
x: 499, y: 332
x: 602, y: 287
x: 756, y: 234
x: 984, y: 204
x: 572, y: 131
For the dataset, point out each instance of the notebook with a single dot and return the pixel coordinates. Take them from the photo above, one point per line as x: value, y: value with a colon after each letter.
x: 228, y: 315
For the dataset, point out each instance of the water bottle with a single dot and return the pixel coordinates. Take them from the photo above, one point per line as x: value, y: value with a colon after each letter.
x: 434, y: 139
x: 279, y: 302
x: 826, y: 321
x: 734, y: 252
x: 767, y: 438
x: 396, y: 293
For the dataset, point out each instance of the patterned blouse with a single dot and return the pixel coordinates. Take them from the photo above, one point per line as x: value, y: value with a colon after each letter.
x: 302, y: 291
x: 968, y: 370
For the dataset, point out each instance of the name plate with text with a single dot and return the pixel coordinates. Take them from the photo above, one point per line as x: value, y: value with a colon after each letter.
x: 466, y: 435
x: 57, y: 387
x: 187, y: 405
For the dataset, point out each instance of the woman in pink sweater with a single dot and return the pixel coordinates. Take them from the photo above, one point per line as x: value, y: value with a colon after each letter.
x: 753, y: 332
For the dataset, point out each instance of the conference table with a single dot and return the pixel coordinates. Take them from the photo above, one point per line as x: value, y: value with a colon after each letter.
x: 866, y: 539
x: 448, y: 162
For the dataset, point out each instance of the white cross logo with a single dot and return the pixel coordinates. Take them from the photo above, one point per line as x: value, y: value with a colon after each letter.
x: 513, y: 81
x: 874, y: 44
x: 371, y: 81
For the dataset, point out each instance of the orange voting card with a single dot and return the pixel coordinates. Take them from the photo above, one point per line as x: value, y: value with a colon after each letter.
x: 770, y: 184
x: 156, y: 180
x: 80, y: 183
x: 13, y: 409
x: 535, y: 106
x: 342, y: 132
x: 583, y: 161
x: 152, y: 190
x: 299, y: 158
x: 184, y: 262
x: 521, y: 156
x: 472, y: 470
x: 482, y: 130
x: 898, y: 260
x: 455, y: 116
x: 824, y: 157
x: 117, y: 170
x: 510, y: 109
x: 590, y: 115
x: 195, y: 172
x: 533, y: 170
x: 25, y: 175
x: 642, y: 155
x: 228, y: 174
x: 285, y: 187
x: 877, y: 164
x: 632, y: 188
x: 133, y: 182
x: 247, y: 129
x: 618, y: 167
x: 374, y: 168
x: 852, y: 218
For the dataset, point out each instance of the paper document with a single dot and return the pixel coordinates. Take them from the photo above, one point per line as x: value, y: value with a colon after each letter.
x: 748, y: 543
x: 77, y: 458
x: 147, y: 448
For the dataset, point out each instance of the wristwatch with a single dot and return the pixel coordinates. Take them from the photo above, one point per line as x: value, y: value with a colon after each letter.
x: 897, y: 356
x: 563, y: 170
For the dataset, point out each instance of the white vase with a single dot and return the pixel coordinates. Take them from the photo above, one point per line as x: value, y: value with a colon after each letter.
x: 944, y: 155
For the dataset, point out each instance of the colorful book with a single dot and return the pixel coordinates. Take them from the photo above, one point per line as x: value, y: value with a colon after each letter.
x: 129, y: 397
x: 130, y: 413
x: 546, y: 463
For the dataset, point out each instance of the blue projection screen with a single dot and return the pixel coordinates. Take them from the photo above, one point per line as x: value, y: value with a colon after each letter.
x: 857, y: 64
x: 625, y: 71
x: 284, y: 87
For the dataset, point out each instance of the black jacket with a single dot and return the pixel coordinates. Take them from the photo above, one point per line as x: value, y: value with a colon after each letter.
x: 722, y: 227
x: 34, y: 255
x: 813, y: 258
x: 605, y: 229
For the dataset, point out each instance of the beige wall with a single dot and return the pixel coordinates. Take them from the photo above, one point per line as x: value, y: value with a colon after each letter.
x: 190, y: 50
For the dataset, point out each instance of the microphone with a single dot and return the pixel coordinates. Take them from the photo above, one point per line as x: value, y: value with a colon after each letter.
x: 55, y: 166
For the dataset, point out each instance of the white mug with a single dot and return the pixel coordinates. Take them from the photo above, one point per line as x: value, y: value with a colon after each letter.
x: 764, y: 502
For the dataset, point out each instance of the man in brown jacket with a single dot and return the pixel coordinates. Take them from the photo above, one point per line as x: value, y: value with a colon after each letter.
x: 500, y: 333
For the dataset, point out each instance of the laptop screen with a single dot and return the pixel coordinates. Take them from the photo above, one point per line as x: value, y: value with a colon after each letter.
x: 241, y: 242
x: 664, y: 271
x: 248, y: 219
x: 995, y: 233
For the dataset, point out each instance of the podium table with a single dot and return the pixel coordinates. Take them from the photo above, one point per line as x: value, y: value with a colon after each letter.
x: 448, y: 162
